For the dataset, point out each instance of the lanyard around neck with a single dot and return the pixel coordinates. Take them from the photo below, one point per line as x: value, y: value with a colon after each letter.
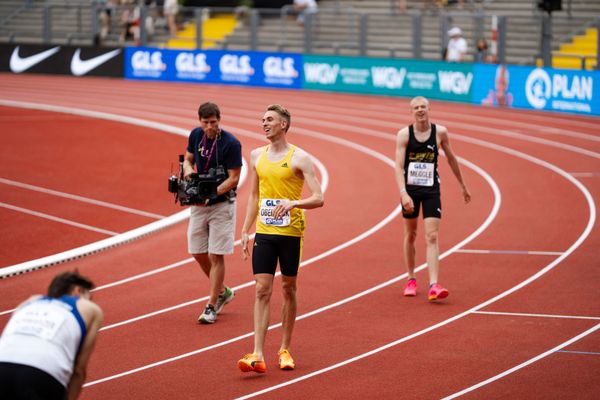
x: 212, y: 148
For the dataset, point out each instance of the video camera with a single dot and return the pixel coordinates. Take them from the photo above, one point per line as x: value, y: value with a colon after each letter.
x: 199, y: 188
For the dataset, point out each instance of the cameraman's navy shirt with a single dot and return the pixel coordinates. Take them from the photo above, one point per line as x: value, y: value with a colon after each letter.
x: 227, y: 151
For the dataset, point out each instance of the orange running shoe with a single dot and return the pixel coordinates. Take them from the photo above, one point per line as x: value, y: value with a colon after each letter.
x: 436, y: 292
x: 285, y: 360
x: 251, y: 363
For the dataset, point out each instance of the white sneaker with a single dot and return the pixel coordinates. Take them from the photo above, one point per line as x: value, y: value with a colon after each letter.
x: 209, y: 316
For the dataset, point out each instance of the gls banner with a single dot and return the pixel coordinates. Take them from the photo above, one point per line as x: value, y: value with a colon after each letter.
x: 538, y: 88
x: 63, y: 60
x: 214, y: 66
x: 436, y: 80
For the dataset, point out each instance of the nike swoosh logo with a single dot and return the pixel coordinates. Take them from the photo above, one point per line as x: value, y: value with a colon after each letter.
x: 81, y: 67
x: 19, y: 64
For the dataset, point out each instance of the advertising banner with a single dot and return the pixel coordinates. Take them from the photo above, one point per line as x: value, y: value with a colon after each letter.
x: 538, y: 88
x: 214, y: 66
x: 62, y: 60
x: 392, y: 77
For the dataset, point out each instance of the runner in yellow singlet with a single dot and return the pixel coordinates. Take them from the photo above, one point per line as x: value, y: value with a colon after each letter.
x: 278, y: 172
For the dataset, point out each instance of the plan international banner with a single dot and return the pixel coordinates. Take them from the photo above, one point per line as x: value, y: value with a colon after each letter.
x: 392, y: 77
x: 538, y: 88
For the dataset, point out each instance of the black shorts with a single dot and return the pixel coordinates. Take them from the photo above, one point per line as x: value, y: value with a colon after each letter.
x: 431, y: 203
x: 268, y: 249
x: 22, y: 382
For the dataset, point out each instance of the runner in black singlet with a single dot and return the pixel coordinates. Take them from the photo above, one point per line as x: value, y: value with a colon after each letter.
x: 417, y: 150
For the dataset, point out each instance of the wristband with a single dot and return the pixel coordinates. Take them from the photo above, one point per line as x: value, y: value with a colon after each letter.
x: 403, y: 190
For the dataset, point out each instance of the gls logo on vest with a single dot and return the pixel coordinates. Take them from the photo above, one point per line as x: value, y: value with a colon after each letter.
x: 236, y: 67
x: 560, y: 89
x: 455, y: 82
x: 272, y: 203
x: 388, y: 77
x: 190, y: 65
x: 147, y: 63
x: 323, y: 74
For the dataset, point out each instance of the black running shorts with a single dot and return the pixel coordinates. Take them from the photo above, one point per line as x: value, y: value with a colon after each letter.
x: 268, y: 249
x: 431, y: 203
x: 22, y: 382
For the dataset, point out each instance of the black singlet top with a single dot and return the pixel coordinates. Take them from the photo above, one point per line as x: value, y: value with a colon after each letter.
x: 420, y: 164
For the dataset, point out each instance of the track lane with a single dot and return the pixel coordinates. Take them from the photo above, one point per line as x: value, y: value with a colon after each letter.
x: 461, y: 153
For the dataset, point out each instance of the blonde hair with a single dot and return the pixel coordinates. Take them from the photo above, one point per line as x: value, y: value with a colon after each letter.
x: 282, y: 112
x: 419, y: 98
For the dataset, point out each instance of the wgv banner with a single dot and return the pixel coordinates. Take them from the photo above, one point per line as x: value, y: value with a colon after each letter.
x: 281, y: 70
x: 392, y: 77
x: 538, y: 88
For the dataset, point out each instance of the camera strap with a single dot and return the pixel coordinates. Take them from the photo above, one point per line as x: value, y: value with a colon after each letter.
x: 212, y: 148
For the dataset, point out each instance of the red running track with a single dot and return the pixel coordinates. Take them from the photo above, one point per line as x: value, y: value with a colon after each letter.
x: 520, y: 261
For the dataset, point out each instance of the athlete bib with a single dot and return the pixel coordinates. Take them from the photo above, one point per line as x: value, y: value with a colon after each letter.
x: 43, y: 323
x: 267, y: 206
x: 420, y: 174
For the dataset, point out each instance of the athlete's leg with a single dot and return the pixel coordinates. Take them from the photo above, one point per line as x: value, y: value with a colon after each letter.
x: 213, y: 266
x: 288, y: 310
x: 432, y: 227
x: 264, y: 288
x: 410, y: 237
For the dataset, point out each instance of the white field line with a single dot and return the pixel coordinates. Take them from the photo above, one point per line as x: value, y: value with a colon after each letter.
x: 472, y: 236
x: 525, y: 364
x: 543, y: 271
x: 57, y: 219
x: 80, y: 198
x: 524, y: 252
x: 513, y: 314
x: 547, y: 143
x: 117, y: 239
x: 347, y: 110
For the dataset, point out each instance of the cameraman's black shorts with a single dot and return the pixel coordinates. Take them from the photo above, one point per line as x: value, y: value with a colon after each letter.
x: 432, y: 206
x: 22, y: 382
x: 268, y: 249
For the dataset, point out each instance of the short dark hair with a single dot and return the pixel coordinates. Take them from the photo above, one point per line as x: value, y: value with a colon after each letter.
x: 65, y: 282
x: 208, y: 109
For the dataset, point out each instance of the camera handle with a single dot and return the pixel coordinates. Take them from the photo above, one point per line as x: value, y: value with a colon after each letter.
x: 181, y: 166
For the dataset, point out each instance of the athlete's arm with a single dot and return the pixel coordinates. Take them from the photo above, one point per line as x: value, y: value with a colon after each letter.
x: 252, y: 206
x: 93, y: 316
x: 401, y: 145
x: 442, y: 133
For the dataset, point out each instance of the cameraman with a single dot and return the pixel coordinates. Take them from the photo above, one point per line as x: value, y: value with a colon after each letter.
x: 211, y: 229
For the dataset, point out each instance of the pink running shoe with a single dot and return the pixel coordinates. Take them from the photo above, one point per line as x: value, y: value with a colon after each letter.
x: 411, y: 287
x: 436, y: 291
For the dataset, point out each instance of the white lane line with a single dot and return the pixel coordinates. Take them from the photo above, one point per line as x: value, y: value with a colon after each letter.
x: 512, y: 314
x: 57, y: 219
x: 397, y: 211
x: 543, y: 271
x: 585, y: 174
x: 591, y: 353
x: 80, y: 198
x: 132, y: 278
x: 525, y: 364
x: 524, y: 252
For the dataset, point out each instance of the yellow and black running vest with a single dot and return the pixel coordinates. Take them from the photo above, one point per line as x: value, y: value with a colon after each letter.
x: 277, y: 182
